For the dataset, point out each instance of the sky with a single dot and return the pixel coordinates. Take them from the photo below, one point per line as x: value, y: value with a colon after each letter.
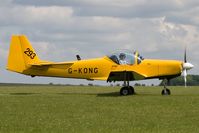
x: 58, y: 30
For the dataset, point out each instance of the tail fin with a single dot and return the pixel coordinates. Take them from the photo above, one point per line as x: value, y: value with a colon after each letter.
x: 21, y: 54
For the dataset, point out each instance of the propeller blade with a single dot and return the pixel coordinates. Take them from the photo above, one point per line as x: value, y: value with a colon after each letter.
x: 185, y: 78
x: 185, y: 55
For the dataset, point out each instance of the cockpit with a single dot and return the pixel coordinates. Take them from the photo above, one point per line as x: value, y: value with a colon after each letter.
x: 126, y: 57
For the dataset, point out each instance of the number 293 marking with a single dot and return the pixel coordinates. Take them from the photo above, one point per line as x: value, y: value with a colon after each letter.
x: 30, y: 53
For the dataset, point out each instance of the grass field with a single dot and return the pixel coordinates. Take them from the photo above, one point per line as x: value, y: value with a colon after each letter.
x: 57, y: 109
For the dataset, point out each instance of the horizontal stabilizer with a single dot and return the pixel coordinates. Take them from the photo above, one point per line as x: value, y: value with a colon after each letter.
x: 62, y: 65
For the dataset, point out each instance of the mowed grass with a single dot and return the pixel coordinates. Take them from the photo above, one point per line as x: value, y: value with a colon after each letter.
x: 73, y: 109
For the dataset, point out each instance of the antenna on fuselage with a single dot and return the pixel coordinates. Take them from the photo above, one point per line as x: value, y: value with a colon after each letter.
x: 78, y: 57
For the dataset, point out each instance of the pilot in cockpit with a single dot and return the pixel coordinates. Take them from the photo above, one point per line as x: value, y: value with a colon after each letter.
x: 122, y: 58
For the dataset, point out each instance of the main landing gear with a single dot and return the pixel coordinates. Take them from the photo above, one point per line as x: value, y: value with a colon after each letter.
x: 165, y: 91
x: 127, y: 90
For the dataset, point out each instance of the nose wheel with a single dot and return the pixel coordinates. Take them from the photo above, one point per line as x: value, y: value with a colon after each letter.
x: 165, y: 91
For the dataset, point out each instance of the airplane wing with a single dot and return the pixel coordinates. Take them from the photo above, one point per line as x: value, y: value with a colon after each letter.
x: 121, y: 75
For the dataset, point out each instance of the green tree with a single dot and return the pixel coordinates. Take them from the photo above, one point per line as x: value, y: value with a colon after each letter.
x: 192, y: 80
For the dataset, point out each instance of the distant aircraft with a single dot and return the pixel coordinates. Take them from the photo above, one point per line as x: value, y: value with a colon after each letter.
x: 123, y: 66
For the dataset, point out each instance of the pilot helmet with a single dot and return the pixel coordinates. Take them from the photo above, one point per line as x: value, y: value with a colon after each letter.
x: 122, y: 56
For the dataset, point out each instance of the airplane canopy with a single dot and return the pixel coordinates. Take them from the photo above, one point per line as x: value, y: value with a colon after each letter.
x: 126, y: 57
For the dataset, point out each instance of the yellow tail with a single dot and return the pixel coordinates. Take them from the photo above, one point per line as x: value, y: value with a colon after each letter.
x: 21, y: 54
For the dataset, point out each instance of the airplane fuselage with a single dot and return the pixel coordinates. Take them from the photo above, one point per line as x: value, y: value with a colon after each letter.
x: 100, y: 68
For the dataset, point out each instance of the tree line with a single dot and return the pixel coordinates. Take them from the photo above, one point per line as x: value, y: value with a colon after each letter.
x: 192, y: 80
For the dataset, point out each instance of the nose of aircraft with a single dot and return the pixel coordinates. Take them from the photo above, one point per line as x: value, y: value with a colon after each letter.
x: 187, y: 66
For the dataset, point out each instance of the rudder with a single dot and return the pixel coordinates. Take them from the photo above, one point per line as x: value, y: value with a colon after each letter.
x: 29, y: 54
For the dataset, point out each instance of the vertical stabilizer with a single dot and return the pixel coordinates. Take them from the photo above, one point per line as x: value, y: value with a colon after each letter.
x: 21, y: 54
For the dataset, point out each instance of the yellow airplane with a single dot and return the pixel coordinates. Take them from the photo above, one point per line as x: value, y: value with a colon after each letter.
x: 120, y: 66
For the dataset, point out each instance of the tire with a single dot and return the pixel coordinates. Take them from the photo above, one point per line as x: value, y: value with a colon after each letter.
x: 124, y: 91
x: 166, y: 92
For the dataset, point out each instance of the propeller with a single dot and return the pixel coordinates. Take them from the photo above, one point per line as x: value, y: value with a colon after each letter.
x: 186, y: 66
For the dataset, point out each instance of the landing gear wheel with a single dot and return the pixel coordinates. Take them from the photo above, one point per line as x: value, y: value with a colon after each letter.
x: 131, y: 90
x: 124, y: 91
x: 166, y: 92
